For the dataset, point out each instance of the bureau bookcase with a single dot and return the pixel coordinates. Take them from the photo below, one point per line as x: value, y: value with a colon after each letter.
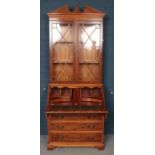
x: 76, y: 104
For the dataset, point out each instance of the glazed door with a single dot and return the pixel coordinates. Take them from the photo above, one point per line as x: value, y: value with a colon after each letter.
x: 90, y: 52
x: 61, y: 51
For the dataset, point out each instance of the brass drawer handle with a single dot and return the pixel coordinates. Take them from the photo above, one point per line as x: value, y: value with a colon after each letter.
x: 60, y: 126
x: 92, y: 126
x: 62, y: 117
x: 59, y: 117
x: 91, y: 138
x: 60, y: 138
x: 91, y: 117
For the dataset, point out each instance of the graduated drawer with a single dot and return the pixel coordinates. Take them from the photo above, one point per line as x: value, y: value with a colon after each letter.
x: 75, y: 117
x: 76, y: 137
x: 75, y: 126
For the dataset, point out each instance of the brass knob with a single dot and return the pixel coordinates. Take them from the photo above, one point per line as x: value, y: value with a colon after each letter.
x: 60, y: 126
x: 92, y: 126
x: 90, y: 138
x: 61, y: 137
x: 59, y: 117
x: 91, y: 117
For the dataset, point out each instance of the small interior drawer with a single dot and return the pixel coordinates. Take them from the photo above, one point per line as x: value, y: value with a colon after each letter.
x: 91, y: 92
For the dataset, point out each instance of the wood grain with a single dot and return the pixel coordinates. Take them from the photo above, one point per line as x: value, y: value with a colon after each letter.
x: 76, y: 109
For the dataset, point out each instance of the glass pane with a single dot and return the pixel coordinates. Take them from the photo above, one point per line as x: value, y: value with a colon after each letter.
x: 89, y: 42
x: 88, y: 72
x: 89, y: 52
x: 63, y: 72
x: 62, y: 37
x: 63, y: 42
x: 63, y: 53
x: 62, y: 32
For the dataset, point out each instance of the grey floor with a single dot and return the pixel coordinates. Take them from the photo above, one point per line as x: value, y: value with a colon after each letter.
x: 109, y: 148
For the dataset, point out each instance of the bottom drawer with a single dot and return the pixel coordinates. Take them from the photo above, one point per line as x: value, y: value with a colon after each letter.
x: 64, y: 137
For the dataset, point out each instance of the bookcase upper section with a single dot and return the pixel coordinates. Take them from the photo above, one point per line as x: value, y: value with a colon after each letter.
x: 75, y: 40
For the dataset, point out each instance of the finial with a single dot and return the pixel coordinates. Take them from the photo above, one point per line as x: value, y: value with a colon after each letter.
x: 76, y: 9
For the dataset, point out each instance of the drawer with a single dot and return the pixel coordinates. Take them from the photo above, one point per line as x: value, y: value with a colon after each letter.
x: 75, y: 117
x: 64, y: 137
x: 75, y: 126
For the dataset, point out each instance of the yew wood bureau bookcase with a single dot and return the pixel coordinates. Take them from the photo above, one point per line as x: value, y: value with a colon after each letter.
x: 76, y: 104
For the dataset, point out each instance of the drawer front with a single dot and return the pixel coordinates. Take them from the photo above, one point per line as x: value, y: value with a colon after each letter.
x: 96, y: 137
x: 75, y: 117
x: 75, y: 126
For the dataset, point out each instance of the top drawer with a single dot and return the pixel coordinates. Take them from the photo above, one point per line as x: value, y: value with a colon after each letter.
x: 75, y: 117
